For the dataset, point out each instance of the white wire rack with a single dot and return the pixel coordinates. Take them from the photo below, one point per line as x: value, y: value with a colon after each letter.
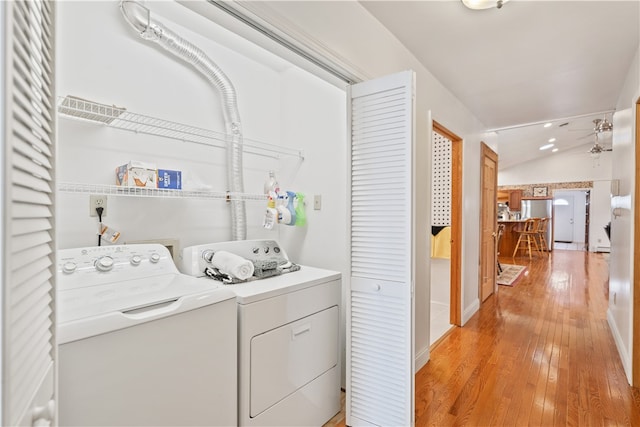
x: 114, y: 190
x: 120, y: 118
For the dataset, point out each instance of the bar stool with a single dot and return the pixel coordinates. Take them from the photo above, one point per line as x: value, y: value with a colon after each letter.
x: 542, y: 233
x: 528, y: 235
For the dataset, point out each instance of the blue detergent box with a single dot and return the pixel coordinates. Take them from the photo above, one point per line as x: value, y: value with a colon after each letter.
x: 169, y: 180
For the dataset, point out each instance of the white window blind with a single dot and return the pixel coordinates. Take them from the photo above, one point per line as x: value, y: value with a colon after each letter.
x: 380, y: 386
x: 28, y: 257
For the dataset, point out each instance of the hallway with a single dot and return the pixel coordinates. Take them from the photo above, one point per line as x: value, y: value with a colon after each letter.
x: 539, y: 353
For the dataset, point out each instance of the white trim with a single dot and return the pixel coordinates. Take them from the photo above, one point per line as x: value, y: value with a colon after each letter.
x: 3, y: 195
x: 470, y: 311
x: 263, y: 25
x: 422, y: 357
x: 624, y: 357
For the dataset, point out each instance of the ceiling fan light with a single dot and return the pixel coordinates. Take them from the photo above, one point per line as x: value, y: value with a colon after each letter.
x: 605, y: 134
x: 483, y: 4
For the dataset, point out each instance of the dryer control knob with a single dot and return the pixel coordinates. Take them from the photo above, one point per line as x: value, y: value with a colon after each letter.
x: 154, y: 258
x: 266, y: 249
x: 135, y: 260
x: 208, y: 255
x: 276, y: 249
x: 255, y: 250
x: 104, y: 263
x: 69, y: 267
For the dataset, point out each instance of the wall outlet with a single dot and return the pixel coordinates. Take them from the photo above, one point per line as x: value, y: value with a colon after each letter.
x: 97, y: 202
x: 317, y: 202
x: 614, y: 298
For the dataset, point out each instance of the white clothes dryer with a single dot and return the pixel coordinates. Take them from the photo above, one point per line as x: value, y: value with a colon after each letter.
x: 288, y: 337
x: 141, y: 344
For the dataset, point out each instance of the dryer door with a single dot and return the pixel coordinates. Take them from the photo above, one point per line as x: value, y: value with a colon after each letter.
x: 289, y: 357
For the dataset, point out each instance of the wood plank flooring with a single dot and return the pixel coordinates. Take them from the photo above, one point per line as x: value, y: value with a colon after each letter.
x: 539, y: 353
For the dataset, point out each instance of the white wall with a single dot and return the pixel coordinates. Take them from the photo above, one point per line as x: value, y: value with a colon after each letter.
x: 571, y: 166
x: 441, y: 281
x: 620, y: 313
x: 371, y: 49
x: 101, y: 58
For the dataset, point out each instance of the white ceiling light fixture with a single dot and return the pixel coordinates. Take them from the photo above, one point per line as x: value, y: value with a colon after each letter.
x: 547, y: 125
x: 552, y: 140
x: 484, y: 4
x: 546, y: 147
x: 597, y: 149
x: 555, y: 150
x: 603, y: 129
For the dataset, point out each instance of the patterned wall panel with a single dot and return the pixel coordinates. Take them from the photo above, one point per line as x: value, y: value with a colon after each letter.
x: 441, y: 181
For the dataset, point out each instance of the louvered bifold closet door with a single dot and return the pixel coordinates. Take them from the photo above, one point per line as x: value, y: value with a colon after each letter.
x: 380, y: 360
x: 28, y: 254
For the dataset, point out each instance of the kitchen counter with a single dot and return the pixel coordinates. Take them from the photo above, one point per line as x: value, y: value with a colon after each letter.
x: 510, y: 236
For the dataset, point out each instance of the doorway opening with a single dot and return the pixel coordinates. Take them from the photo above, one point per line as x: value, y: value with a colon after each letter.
x: 571, y: 219
x: 446, y: 232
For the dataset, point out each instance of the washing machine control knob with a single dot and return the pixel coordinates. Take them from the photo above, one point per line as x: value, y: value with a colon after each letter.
x: 266, y: 249
x: 104, y: 263
x: 135, y: 260
x: 208, y: 255
x: 69, y: 267
x: 154, y: 258
x: 255, y: 250
x: 276, y: 249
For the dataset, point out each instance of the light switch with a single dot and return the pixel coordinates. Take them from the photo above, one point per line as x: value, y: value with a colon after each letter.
x: 317, y: 202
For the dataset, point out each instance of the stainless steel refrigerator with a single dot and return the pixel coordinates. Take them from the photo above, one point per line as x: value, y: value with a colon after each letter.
x: 539, y: 209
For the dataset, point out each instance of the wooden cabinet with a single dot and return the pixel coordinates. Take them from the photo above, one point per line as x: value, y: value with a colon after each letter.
x: 515, y: 197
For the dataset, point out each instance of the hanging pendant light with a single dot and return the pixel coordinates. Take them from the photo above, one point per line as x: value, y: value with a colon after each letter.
x: 484, y: 4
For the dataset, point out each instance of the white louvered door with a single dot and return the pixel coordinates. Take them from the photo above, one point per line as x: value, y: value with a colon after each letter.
x: 27, y: 254
x: 380, y: 355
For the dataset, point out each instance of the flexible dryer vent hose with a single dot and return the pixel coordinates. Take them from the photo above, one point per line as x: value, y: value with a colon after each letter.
x: 139, y: 17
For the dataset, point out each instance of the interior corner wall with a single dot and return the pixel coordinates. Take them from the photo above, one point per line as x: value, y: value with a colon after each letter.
x: 620, y: 312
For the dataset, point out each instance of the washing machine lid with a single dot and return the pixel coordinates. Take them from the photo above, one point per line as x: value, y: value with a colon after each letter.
x: 90, y: 310
x: 257, y: 290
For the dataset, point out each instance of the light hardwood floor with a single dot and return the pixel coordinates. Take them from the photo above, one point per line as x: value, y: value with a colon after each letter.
x: 539, y: 353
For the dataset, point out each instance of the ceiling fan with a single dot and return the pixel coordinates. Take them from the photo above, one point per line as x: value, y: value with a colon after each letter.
x: 597, y: 149
x: 602, y: 128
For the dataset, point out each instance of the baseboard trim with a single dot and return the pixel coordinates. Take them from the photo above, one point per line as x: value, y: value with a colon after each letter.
x: 422, y: 357
x: 624, y: 357
x: 470, y: 311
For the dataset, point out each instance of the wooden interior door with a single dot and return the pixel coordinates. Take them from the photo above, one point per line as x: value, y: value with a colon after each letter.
x: 489, y: 222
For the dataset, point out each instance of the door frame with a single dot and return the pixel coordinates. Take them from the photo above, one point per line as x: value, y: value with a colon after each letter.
x: 486, y: 151
x: 455, y: 295
x: 635, y: 279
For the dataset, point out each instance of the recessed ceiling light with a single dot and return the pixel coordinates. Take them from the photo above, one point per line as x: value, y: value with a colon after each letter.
x: 552, y: 140
x: 546, y: 147
x: 554, y: 150
x: 547, y: 125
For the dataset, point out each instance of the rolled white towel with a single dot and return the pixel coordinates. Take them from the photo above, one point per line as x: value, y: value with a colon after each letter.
x: 232, y: 264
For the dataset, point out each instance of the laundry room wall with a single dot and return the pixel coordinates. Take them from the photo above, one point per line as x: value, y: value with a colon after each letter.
x: 102, y: 59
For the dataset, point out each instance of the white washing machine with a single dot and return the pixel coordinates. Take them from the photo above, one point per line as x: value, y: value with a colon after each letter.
x: 288, y: 337
x: 141, y: 344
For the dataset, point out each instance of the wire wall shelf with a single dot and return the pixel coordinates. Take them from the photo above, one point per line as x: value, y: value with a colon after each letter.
x: 115, y: 190
x: 119, y: 118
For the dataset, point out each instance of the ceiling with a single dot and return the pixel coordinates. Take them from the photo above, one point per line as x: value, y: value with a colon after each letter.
x: 529, y: 62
